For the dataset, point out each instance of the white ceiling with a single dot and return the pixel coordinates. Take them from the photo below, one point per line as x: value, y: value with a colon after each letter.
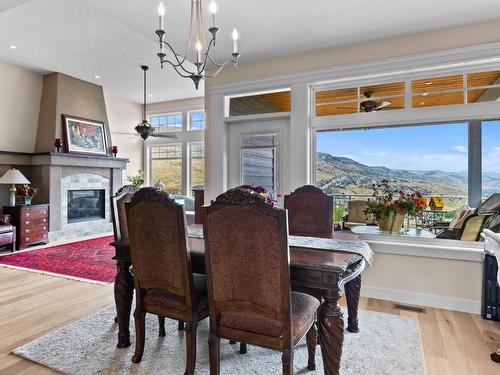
x: 112, y: 38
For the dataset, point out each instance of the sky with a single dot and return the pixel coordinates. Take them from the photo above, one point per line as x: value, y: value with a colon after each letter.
x: 428, y: 147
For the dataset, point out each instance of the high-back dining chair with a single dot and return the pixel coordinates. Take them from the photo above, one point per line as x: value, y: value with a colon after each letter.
x: 121, y: 242
x: 163, y: 278
x: 310, y: 212
x: 248, y: 277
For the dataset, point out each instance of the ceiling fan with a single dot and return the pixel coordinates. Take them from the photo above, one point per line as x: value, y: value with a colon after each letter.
x: 144, y: 128
x: 370, y: 105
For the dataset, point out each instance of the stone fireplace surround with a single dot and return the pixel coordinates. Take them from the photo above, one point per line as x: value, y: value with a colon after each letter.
x: 56, y: 173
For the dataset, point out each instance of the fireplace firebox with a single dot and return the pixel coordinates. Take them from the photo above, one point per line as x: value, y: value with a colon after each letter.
x: 85, y: 205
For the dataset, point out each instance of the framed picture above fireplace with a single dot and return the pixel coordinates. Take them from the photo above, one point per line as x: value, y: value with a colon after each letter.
x: 84, y: 136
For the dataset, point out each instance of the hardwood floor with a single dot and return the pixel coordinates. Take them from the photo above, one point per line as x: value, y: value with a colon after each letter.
x: 32, y: 305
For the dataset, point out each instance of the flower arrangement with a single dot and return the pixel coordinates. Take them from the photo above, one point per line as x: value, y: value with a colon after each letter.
x: 385, y: 200
x: 268, y: 196
x: 26, y: 191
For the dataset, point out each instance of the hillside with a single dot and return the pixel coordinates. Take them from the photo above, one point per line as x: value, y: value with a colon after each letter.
x: 340, y: 175
x: 344, y: 175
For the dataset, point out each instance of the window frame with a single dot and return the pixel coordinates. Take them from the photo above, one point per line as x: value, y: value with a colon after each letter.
x: 189, y: 127
x: 184, y: 136
x: 168, y: 114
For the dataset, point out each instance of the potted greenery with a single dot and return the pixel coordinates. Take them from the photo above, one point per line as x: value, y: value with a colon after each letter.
x: 138, y: 180
x: 391, y: 206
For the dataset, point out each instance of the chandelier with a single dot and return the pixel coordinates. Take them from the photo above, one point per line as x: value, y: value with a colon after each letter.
x: 197, y: 48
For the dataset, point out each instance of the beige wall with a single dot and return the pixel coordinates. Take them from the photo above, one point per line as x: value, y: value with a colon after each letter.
x: 123, y: 115
x: 462, y: 36
x: 453, y: 284
x: 20, y: 92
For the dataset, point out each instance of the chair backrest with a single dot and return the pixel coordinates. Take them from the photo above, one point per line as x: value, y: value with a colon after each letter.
x: 247, y: 259
x: 461, y: 216
x: 118, y: 213
x: 310, y: 212
x: 355, y: 212
x: 158, y: 243
x: 473, y: 227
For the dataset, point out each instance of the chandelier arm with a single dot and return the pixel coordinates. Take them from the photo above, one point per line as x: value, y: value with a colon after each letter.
x: 176, y: 54
x: 207, y: 55
x: 179, y: 63
x: 220, y: 67
x: 189, y: 74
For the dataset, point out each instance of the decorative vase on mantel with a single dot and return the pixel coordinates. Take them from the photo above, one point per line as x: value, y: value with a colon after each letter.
x: 391, y: 223
x: 27, y: 201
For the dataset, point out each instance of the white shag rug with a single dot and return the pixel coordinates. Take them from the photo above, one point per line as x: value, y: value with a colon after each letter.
x: 387, y: 345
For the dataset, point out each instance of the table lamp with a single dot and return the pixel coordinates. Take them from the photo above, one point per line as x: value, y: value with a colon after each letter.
x: 13, y: 176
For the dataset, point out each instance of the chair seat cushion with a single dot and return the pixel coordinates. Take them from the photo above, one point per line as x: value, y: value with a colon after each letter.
x: 165, y: 299
x: 303, y: 312
x: 6, y: 228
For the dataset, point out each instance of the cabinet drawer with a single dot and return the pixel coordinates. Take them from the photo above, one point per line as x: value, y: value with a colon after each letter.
x: 30, y: 222
x: 32, y: 238
x: 32, y: 230
x: 39, y: 212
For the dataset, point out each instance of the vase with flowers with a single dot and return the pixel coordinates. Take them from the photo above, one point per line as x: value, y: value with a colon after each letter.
x: 26, y: 193
x: 268, y: 196
x: 390, y: 206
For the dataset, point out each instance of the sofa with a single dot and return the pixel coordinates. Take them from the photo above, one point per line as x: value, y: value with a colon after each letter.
x: 7, y: 233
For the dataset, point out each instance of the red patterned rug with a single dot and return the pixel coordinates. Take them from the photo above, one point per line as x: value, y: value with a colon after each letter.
x: 86, y: 260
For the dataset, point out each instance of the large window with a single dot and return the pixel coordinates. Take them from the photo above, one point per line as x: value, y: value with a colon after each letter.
x: 167, y: 123
x: 178, y: 163
x: 490, y: 158
x: 259, y: 160
x: 166, y: 167
x: 432, y: 159
x: 197, y: 161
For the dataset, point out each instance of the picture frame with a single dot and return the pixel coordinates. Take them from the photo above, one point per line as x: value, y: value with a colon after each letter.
x: 84, y: 136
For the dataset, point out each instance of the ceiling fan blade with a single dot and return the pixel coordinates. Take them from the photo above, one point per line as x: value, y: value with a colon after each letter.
x: 383, y: 104
x: 159, y: 135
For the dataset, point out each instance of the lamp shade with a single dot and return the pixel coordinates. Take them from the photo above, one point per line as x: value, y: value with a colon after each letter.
x: 13, y: 176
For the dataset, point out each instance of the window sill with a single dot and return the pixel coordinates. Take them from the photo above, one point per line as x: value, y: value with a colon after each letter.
x: 429, y: 248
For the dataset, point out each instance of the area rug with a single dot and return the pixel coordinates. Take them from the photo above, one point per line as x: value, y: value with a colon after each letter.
x: 387, y: 344
x: 87, y: 260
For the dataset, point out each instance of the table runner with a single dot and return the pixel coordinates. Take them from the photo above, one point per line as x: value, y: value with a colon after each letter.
x: 348, y: 246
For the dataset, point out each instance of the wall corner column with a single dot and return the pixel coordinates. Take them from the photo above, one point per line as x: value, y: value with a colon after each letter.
x: 300, y: 136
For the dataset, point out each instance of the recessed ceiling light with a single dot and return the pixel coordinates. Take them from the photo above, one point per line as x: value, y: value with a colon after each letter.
x: 12, y: 46
x: 425, y: 93
x: 428, y: 83
x: 421, y: 103
x: 97, y: 76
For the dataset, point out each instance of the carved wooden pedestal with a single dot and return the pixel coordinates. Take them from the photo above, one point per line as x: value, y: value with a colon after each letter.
x: 124, y: 292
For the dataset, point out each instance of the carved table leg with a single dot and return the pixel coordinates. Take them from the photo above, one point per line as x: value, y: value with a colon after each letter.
x: 124, y: 291
x: 331, y: 332
x: 352, y: 289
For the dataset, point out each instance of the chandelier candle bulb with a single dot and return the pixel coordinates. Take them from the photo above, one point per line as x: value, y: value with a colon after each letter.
x: 213, y: 10
x: 198, y: 51
x: 235, y: 36
x: 161, y: 13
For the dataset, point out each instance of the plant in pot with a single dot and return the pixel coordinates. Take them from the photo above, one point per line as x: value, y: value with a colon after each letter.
x: 390, y: 206
x: 26, y: 193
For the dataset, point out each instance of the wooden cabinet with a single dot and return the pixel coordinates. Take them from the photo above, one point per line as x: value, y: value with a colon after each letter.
x: 32, y: 224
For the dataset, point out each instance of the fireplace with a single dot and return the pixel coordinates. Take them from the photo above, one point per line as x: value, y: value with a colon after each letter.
x: 85, y: 205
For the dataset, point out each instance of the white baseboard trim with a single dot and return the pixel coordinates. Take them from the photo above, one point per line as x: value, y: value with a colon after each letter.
x: 422, y: 299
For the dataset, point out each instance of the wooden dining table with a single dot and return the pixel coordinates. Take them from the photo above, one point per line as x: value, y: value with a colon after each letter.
x: 325, y: 266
